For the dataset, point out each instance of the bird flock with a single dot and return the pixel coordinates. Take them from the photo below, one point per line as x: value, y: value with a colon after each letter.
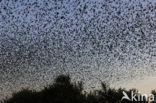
x: 92, y: 40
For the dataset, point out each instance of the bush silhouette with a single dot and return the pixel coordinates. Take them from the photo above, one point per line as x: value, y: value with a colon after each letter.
x: 24, y: 96
x: 65, y: 91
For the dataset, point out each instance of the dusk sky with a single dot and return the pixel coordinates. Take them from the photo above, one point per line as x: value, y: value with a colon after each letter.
x: 113, y: 41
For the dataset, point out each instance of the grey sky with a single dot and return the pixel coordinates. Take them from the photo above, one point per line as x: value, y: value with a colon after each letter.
x: 105, y: 40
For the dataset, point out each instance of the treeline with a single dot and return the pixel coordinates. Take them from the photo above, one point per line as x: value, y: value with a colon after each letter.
x: 65, y: 91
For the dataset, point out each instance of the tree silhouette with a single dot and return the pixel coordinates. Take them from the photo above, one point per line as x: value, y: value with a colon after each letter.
x: 65, y: 91
x: 24, y: 96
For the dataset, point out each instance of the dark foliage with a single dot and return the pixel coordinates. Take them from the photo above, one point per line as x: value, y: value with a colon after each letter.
x: 64, y: 91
